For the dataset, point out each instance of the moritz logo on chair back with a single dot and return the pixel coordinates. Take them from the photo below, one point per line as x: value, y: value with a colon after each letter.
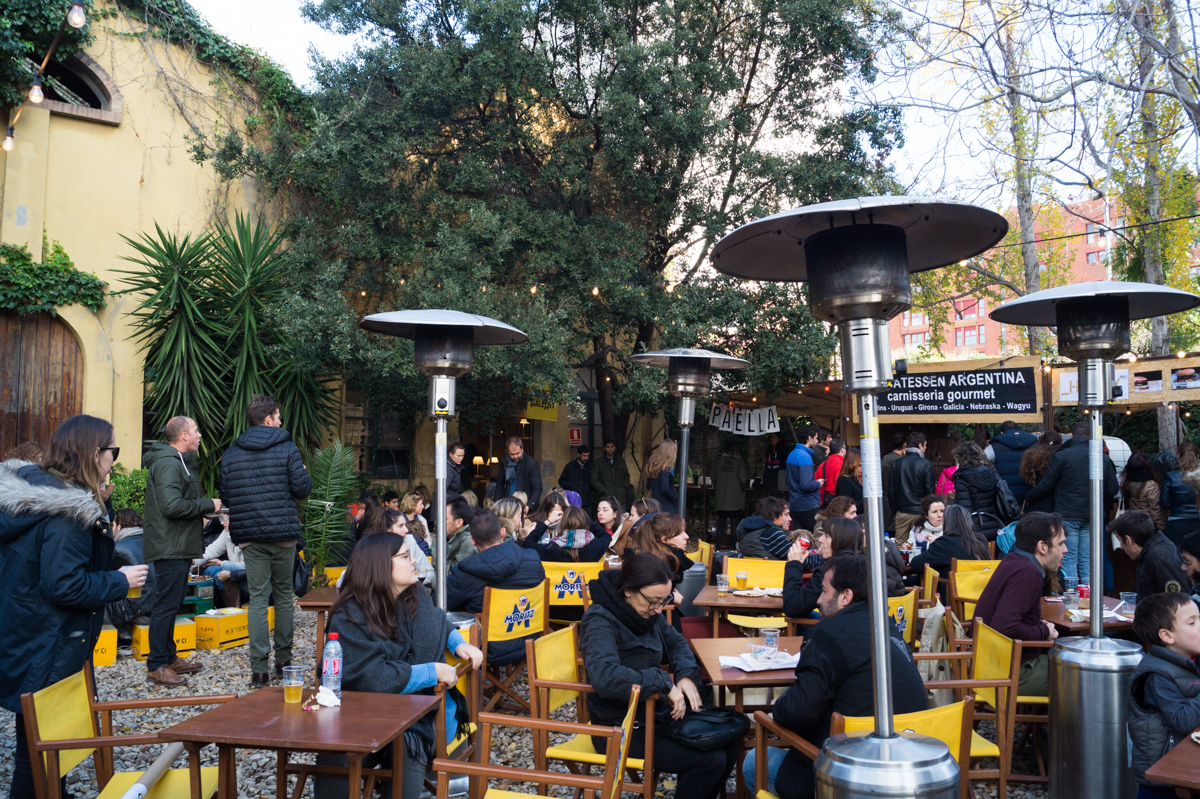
x: 571, y: 584
x: 522, y: 613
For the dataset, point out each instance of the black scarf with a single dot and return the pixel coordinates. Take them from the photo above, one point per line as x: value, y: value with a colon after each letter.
x: 1134, y: 474
x: 605, y: 593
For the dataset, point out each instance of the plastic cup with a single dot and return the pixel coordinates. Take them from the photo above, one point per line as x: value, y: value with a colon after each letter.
x: 1071, y: 599
x: 134, y: 593
x: 293, y: 684
x: 1130, y: 600
x: 722, y: 584
x: 771, y: 641
x: 1070, y: 583
x: 742, y: 577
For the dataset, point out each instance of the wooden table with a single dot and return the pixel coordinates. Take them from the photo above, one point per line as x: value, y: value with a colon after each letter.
x: 1056, y: 613
x: 718, y: 605
x: 709, y: 651
x: 319, y: 600
x: 1179, y: 768
x: 365, y: 723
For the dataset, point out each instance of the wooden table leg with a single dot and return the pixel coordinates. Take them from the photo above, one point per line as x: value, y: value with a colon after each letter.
x: 398, y: 768
x: 226, y: 772
x: 193, y: 751
x: 281, y: 759
x: 716, y: 614
x: 320, y: 642
x: 356, y: 775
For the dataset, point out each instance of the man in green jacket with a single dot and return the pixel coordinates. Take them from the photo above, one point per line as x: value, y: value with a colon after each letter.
x: 610, y: 475
x: 459, y: 545
x: 173, y: 536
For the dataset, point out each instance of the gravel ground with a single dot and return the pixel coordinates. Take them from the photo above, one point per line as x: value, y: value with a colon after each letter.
x: 229, y: 672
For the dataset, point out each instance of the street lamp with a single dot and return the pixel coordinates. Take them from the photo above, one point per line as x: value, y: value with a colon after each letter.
x: 1089, y: 676
x: 444, y: 350
x: 856, y: 256
x: 687, y: 379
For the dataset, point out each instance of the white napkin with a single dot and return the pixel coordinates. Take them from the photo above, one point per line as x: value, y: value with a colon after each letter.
x: 327, y: 698
x: 746, y: 664
x: 1080, y: 615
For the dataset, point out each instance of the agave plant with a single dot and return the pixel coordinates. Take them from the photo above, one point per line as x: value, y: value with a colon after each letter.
x: 326, y: 519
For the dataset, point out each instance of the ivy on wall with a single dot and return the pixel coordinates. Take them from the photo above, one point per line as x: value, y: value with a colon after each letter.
x: 28, y: 287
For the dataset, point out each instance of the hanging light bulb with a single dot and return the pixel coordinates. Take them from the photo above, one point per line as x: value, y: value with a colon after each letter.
x: 533, y: 289
x: 364, y: 293
x: 595, y: 291
x: 36, y: 95
x: 670, y: 287
x: 76, y: 17
x: 483, y: 289
x: 8, y: 140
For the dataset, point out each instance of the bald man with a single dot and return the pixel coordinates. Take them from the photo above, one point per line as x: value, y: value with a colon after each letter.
x: 173, y: 536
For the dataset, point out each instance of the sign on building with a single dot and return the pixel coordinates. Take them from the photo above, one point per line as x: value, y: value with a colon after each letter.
x: 744, y: 421
x: 963, y: 392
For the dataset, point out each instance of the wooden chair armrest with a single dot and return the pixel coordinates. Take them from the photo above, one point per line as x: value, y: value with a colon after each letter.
x: 570, y: 727
x: 558, y: 778
x: 968, y: 683
x: 1036, y: 644
x: 943, y: 655
x: 103, y: 742
x: 566, y: 686
x: 174, y: 701
x: 787, y: 736
x: 925, y: 603
x: 794, y: 620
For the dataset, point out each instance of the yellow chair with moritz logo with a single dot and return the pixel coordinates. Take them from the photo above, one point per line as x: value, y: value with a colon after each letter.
x: 568, y: 589
x: 511, y: 614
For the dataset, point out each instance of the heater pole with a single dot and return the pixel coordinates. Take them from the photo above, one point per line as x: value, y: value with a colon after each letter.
x: 439, y: 511
x: 1096, y: 470
x: 687, y: 416
x: 881, y: 665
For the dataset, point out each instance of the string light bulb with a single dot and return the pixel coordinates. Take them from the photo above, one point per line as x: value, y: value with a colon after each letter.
x: 364, y: 294
x: 1132, y: 358
x: 9, y: 141
x: 36, y: 95
x: 76, y: 17
x: 670, y: 288
x: 483, y: 289
x: 1180, y: 354
x: 533, y: 289
x: 595, y: 291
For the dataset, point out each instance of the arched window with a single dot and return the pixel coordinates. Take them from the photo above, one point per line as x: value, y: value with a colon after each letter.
x: 79, y: 87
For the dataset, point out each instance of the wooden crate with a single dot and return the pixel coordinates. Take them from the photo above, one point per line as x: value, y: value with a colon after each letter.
x: 185, y: 639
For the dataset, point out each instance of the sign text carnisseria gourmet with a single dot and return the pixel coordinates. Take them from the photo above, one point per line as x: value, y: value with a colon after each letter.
x: 973, y: 391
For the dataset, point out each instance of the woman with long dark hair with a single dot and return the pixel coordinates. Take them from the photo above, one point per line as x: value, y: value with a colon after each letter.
x: 55, y: 551
x: 394, y: 641
x: 625, y: 642
x: 663, y: 535
x: 1034, y: 463
x: 661, y: 480
x: 1177, y: 496
x: 573, y: 539
x: 975, y: 488
x: 834, y: 536
x: 849, y: 481
x: 958, y: 540
x: 1140, y: 488
x: 639, y: 508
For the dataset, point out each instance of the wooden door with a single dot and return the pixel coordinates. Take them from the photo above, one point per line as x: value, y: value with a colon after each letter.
x: 41, y: 378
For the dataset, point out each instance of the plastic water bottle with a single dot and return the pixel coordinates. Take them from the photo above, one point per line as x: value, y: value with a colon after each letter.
x: 331, y: 665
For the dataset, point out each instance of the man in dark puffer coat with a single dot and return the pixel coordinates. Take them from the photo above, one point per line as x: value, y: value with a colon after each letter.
x: 498, y: 564
x: 1006, y: 451
x: 262, y: 476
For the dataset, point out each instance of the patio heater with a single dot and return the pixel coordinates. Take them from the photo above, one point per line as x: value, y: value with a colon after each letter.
x: 856, y: 256
x: 1089, y: 676
x: 444, y: 350
x: 687, y: 379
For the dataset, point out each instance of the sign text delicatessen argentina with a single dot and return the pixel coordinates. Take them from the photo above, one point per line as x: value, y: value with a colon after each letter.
x: 1006, y: 391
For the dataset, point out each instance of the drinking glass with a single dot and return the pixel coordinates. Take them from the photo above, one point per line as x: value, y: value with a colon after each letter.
x: 722, y: 584
x: 1070, y: 583
x: 1071, y: 599
x: 134, y: 592
x: 293, y: 684
x: 742, y: 577
x: 1130, y: 600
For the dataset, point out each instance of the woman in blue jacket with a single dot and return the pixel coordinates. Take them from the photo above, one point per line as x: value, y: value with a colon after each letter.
x: 660, y: 476
x: 55, y: 550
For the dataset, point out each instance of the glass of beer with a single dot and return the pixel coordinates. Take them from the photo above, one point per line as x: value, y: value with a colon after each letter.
x: 722, y: 584
x: 742, y: 577
x: 134, y: 593
x: 293, y: 684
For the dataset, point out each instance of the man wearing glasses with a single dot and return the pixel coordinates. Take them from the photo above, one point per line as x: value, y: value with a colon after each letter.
x: 173, y: 537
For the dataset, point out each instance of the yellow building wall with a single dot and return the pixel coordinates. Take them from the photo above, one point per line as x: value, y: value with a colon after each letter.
x: 89, y: 182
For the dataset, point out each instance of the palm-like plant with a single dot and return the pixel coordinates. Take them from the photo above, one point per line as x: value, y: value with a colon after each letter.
x: 326, y: 523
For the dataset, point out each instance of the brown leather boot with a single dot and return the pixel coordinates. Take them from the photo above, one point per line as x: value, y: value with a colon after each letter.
x: 181, y: 666
x: 260, y: 680
x: 279, y: 667
x: 166, y: 676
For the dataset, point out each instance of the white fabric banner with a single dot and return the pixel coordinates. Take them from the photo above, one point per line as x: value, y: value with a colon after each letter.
x: 744, y: 421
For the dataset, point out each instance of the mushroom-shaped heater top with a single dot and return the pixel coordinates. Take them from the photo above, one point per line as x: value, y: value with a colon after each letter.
x: 1093, y: 317
x: 857, y: 254
x: 689, y: 368
x: 444, y: 339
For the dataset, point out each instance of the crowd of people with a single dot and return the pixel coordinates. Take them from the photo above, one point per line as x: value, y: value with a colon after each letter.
x: 60, y: 539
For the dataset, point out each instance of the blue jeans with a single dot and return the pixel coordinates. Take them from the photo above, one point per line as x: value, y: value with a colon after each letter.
x: 1077, y: 562
x: 775, y: 758
x: 236, y: 572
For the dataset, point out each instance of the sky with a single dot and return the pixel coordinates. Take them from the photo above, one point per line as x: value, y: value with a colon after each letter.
x: 277, y: 28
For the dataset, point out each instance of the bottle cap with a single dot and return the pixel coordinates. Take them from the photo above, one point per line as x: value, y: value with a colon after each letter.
x: 333, y: 636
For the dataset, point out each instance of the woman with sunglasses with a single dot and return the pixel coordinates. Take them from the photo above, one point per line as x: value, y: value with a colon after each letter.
x: 394, y: 641
x: 55, y: 551
x: 625, y: 641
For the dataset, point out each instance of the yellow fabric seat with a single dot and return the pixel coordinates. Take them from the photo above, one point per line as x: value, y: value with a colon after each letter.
x: 760, y: 572
x: 766, y: 795
x: 1033, y: 700
x: 982, y: 747
x: 758, y: 622
x: 496, y: 793
x: 175, y: 784
x: 580, y: 750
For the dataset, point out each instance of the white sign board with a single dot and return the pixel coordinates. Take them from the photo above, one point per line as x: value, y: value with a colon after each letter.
x: 744, y: 421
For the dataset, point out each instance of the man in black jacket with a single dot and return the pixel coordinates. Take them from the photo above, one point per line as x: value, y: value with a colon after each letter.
x: 1067, y: 479
x: 913, y: 479
x: 1159, y: 567
x: 500, y: 564
x: 577, y: 476
x: 834, y: 674
x: 518, y: 472
x: 262, y: 476
x: 1006, y: 451
x: 454, y: 466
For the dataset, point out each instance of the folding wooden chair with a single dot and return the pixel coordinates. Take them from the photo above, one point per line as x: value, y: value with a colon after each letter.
x: 64, y: 724
x: 903, y: 610
x: 760, y: 572
x: 608, y: 783
x: 965, y: 589
x: 556, y: 679
x: 510, y: 614
x: 568, y: 589
x: 957, y: 565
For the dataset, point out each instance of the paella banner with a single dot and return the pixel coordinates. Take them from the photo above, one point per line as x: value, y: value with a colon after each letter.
x: 744, y: 421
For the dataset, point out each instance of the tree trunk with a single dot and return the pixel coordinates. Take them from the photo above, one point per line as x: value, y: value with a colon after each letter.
x: 1024, y: 185
x: 1160, y: 332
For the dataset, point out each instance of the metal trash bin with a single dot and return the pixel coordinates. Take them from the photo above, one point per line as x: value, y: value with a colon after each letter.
x: 693, y: 581
x: 908, y: 765
x: 1089, y: 686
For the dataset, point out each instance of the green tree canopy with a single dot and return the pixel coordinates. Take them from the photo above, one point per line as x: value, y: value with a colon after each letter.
x: 593, y: 149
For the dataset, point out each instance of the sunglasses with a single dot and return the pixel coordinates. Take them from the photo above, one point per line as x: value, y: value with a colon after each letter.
x: 116, y: 451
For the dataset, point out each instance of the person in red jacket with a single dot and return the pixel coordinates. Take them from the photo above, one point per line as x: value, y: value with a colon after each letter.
x: 830, y: 468
x: 1012, y: 602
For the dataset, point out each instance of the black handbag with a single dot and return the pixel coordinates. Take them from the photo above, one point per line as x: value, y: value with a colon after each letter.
x: 301, y: 574
x: 707, y: 729
x: 1006, y: 501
